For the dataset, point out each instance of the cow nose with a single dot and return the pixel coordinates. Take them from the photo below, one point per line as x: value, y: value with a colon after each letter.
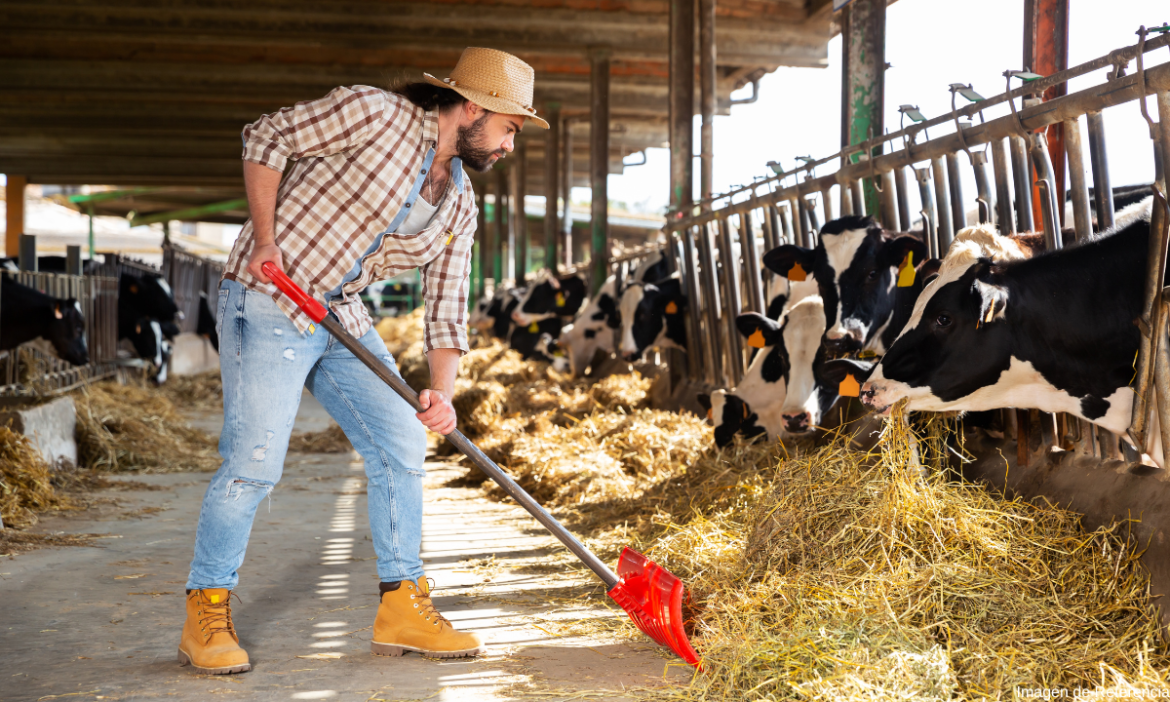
x: 843, y: 344
x: 796, y: 422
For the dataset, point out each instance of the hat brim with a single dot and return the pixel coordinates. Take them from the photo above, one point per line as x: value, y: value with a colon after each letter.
x: 489, y: 102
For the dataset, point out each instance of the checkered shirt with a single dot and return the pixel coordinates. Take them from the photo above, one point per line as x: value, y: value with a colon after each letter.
x: 358, y: 159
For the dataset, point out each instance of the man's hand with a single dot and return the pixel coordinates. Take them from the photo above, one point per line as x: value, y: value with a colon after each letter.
x: 438, y: 413
x: 261, y: 255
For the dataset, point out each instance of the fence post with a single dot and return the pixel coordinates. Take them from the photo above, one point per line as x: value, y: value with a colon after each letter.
x: 903, y: 198
x: 28, y: 253
x: 1102, y: 190
x: 696, y: 353
x: 73, y: 259
x: 945, y: 230
x: 1078, y: 189
x: 710, y: 305
x: 732, y: 306
x: 1003, y: 193
x: 929, y: 226
x: 751, y: 259
x: 1022, y: 175
x: 958, y: 211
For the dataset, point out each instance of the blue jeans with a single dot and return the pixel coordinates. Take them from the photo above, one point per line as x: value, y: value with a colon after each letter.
x: 265, y: 361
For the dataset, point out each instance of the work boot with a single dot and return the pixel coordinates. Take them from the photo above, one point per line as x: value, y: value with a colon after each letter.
x: 209, y: 642
x: 408, y: 621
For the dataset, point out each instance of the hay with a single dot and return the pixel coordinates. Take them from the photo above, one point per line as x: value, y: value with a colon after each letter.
x: 400, y: 333
x: 126, y: 427
x: 202, y: 392
x: 26, y: 486
x: 329, y: 440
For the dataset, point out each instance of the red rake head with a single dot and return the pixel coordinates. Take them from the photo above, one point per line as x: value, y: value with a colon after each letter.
x: 653, y: 599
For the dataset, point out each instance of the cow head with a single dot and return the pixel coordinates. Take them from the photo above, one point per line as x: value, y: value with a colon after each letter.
x: 526, y: 339
x: 652, y: 314
x: 147, y: 340
x: 67, y: 332
x: 855, y: 265
x: 551, y: 297
x: 592, y: 330
x: 147, y: 296
x: 547, y: 349
x: 731, y: 416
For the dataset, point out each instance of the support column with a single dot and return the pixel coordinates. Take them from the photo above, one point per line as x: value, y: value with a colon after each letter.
x: 519, y: 190
x: 599, y: 163
x: 1046, y: 52
x: 567, y: 193
x: 863, y: 49
x: 496, y: 250
x: 14, y: 194
x: 706, y: 96
x: 552, y: 177
x: 682, y: 102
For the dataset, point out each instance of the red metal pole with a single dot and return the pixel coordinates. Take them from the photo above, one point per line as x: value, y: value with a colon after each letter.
x: 1046, y: 52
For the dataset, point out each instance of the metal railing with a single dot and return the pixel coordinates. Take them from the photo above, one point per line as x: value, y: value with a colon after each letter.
x: 189, y: 275
x: 29, y: 370
x: 717, y: 243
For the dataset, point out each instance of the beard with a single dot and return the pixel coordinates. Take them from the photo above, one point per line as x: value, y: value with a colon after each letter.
x: 469, y: 148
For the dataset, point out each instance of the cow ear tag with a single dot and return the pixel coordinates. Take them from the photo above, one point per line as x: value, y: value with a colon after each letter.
x: 137, y: 328
x: 906, y: 272
x: 134, y: 289
x: 797, y: 273
x: 849, y: 387
x: 560, y: 299
x: 672, y: 307
x: 756, y: 340
x: 710, y: 415
x: 57, y: 312
x: 534, y: 327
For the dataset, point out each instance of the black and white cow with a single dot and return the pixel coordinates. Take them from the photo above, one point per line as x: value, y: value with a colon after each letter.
x: 493, y: 315
x: 527, y: 339
x: 146, y: 320
x: 592, y: 330
x: 652, y: 315
x: 1055, y: 332
x: 855, y: 264
x: 27, y: 314
x: 550, y: 297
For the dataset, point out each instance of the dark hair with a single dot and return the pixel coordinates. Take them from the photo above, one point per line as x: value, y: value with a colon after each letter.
x: 427, y: 96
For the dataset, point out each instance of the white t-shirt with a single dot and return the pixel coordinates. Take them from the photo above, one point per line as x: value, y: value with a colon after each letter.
x: 420, y: 216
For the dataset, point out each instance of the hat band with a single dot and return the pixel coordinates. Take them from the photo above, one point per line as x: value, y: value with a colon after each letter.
x: 493, y: 93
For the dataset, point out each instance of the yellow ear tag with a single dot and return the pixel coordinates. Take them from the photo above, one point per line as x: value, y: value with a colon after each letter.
x: 797, y: 273
x: 756, y: 340
x: 560, y: 299
x: 849, y: 387
x: 671, y: 308
x: 906, y: 272
x: 214, y: 599
x: 450, y: 236
x: 534, y: 327
x: 710, y: 415
x: 312, y: 330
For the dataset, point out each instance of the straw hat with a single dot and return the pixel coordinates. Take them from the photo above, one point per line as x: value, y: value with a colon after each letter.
x: 494, y: 80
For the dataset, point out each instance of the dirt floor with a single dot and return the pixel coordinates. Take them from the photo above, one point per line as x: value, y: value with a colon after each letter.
x: 103, y: 622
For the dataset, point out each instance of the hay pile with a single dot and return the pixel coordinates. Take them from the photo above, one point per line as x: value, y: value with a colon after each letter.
x: 202, y: 392
x: 26, y: 485
x: 126, y: 427
x: 329, y: 440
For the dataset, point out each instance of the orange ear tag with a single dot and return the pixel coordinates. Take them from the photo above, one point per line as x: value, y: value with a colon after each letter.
x: 849, y: 387
x: 710, y: 415
x: 534, y: 327
x: 906, y: 272
x: 797, y: 273
x: 745, y: 412
x: 560, y: 299
x: 671, y: 308
x: 756, y: 340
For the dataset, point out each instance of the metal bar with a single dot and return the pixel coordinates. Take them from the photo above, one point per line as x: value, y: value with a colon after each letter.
x: 480, y: 246
x: 497, y: 250
x: 732, y: 305
x: 903, y: 199
x: 706, y: 96
x: 814, y: 227
x: 599, y: 163
x: 1102, y: 190
x: 73, y: 259
x: 1022, y: 177
x: 509, y: 247
x: 1159, y: 243
x: 1162, y: 370
x: 863, y: 49
x: 682, y: 104
x: 844, y: 200
x: 695, y: 351
x: 1163, y: 142
x: 856, y: 195
x: 929, y: 218
x: 27, y: 253
x: 799, y: 222
x: 827, y: 204
x: 944, y: 231
x: 1003, y: 193
x: 1046, y: 180
x: 519, y: 195
x: 567, y: 193
x: 1046, y: 53
x: 751, y: 260
x: 955, y: 194
x: 982, y: 187
x: 889, y: 208
x: 552, y: 179
x: 769, y: 221
x: 713, y: 349
x: 785, y: 215
x: 1078, y: 189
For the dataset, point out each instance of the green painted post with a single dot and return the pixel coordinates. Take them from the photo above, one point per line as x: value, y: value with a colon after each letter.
x: 91, y: 239
x: 863, y: 82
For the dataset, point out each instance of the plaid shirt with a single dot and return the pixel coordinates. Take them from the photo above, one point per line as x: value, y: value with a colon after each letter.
x: 360, y: 156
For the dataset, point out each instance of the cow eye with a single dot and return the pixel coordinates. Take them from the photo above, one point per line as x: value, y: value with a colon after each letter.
x: 943, y: 320
x: 872, y: 275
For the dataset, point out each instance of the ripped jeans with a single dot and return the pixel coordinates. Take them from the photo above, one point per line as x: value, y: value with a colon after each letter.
x: 265, y: 361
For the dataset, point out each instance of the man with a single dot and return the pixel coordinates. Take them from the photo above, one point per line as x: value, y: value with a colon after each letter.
x: 374, y: 186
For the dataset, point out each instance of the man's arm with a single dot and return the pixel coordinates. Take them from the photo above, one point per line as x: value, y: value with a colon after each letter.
x: 261, y: 184
x: 439, y: 414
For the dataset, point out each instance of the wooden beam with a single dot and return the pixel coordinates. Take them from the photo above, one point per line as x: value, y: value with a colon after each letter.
x: 14, y: 200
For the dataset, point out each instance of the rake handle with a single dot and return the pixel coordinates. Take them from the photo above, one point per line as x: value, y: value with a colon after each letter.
x: 320, y: 315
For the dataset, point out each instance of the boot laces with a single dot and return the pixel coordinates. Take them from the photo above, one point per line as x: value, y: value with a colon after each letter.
x: 427, y: 608
x: 217, y: 613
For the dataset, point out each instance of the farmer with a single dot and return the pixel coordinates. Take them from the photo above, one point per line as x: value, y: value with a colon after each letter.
x: 373, y: 185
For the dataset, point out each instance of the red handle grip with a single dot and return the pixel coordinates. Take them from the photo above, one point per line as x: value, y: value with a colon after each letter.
x: 308, y: 305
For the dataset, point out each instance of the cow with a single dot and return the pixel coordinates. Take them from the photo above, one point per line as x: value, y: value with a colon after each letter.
x: 1054, y: 332
x: 652, y: 315
x: 146, y: 296
x: 526, y: 339
x: 550, y: 297
x: 856, y: 265
x: 493, y: 315
x: 592, y: 329
x: 549, y: 351
x: 27, y: 314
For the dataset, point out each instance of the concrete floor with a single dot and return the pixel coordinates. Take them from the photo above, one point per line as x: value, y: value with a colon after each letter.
x: 104, y: 623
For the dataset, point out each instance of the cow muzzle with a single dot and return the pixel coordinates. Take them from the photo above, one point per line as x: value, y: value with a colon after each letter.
x: 847, y: 342
x: 799, y: 423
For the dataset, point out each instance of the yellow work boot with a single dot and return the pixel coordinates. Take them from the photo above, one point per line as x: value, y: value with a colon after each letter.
x: 408, y: 621
x: 209, y: 640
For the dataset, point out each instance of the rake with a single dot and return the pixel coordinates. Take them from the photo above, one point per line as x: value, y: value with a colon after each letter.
x: 650, y: 594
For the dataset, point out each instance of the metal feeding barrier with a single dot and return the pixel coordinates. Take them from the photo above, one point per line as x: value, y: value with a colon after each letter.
x: 189, y: 275
x: 717, y: 243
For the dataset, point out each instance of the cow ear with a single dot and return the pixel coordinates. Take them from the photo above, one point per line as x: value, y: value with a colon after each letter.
x: 838, y: 370
x: 993, y: 298
x: 758, y: 330
x: 705, y: 401
x: 894, y: 252
x: 783, y: 260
